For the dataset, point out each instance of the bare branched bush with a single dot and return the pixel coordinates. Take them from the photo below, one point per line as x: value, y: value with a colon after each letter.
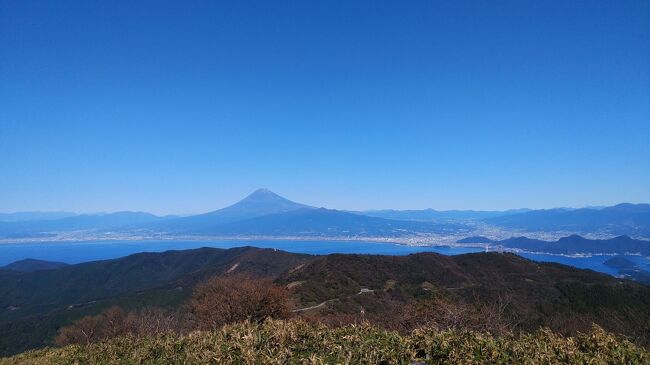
x: 90, y: 329
x: 115, y: 322
x: 442, y: 314
x: 495, y: 317
x: 214, y: 303
x: 223, y: 300
x: 153, y: 321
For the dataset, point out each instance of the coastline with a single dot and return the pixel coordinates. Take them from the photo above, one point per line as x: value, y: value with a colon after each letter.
x: 412, y: 241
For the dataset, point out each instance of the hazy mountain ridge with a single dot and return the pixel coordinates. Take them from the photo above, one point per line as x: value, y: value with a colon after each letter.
x: 29, y: 265
x: 261, y: 213
x: 34, y: 216
x: 111, y: 221
x: 432, y: 214
x: 623, y: 218
x: 264, y: 213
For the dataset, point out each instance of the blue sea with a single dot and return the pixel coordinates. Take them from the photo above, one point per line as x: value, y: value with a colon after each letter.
x: 77, y: 252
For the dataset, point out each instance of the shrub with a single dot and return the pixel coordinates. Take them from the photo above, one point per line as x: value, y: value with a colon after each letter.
x: 89, y: 329
x: 115, y: 322
x: 229, y: 299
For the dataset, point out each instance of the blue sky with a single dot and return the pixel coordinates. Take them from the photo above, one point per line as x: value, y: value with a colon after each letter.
x: 183, y: 107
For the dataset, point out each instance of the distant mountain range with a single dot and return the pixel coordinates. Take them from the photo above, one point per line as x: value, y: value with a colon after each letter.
x: 436, y: 215
x: 33, y: 216
x: 632, y: 219
x: 264, y: 213
x: 626, y: 218
x: 261, y: 213
x: 83, y: 222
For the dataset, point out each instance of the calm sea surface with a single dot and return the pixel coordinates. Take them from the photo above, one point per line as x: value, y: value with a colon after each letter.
x: 76, y: 252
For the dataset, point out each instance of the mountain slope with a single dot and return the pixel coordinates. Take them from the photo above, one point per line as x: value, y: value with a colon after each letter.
x: 33, y: 216
x: 73, y: 284
x: 575, y: 244
x: 111, y: 221
x: 261, y: 213
x: 261, y: 202
x: 434, y: 215
x: 34, y: 305
x: 29, y: 265
x: 632, y: 219
x: 266, y: 213
x: 533, y: 294
x: 327, y: 222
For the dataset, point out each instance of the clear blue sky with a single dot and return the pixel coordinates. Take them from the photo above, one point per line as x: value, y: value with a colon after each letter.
x: 182, y: 107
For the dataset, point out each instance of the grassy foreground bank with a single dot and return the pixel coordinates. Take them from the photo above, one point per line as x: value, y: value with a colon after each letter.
x: 297, y: 342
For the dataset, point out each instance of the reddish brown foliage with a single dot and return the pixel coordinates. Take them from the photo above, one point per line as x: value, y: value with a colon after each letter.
x: 115, y: 322
x: 218, y: 301
x: 222, y: 300
x: 109, y: 323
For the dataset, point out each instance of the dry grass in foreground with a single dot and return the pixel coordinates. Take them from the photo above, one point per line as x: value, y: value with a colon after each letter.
x: 298, y: 342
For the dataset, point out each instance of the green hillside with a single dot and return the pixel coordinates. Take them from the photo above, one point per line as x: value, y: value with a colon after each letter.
x: 490, y: 292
